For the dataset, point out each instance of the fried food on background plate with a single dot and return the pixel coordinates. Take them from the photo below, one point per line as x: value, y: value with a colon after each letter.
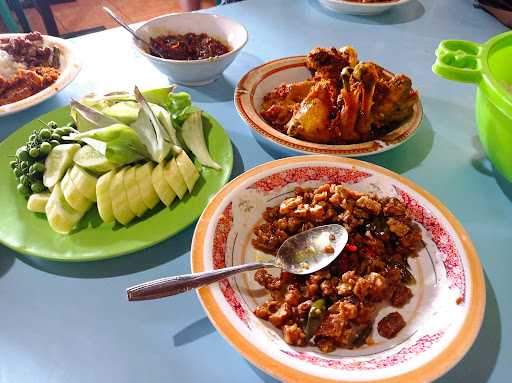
x: 26, y: 83
x: 345, y: 101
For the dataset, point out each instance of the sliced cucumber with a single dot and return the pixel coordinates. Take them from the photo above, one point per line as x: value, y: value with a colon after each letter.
x: 84, y: 181
x: 103, y: 198
x: 143, y: 176
x: 88, y: 158
x: 120, y: 207
x: 37, y: 202
x: 187, y: 170
x: 133, y: 194
x: 162, y: 188
x: 175, y: 179
x: 73, y: 195
x: 58, y: 162
x: 61, y: 217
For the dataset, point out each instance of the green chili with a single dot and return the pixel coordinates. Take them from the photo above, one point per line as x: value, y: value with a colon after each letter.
x: 315, y: 316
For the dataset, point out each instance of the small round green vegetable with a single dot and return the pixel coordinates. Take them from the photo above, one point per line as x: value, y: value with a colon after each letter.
x: 34, y: 152
x: 32, y: 137
x: 18, y: 172
x: 23, y: 189
x: 22, y: 154
x: 45, y: 148
x: 24, y: 165
x: 25, y: 180
x: 37, y: 187
x: 54, y: 143
x: 38, y: 167
x: 55, y: 136
x: 45, y: 133
x: 52, y: 125
x: 13, y: 164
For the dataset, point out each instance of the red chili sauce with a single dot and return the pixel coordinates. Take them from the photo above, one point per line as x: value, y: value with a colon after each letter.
x: 190, y: 46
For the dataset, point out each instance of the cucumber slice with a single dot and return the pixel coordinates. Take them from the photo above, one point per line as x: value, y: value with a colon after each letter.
x: 103, y: 198
x: 133, y: 193
x: 187, y: 170
x: 73, y: 196
x: 174, y: 178
x: 84, y: 181
x: 162, y: 188
x: 61, y: 217
x: 120, y: 207
x: 143, y: 175
x: 58, y: 162
x: 37, y: 202
x: 88, y: 158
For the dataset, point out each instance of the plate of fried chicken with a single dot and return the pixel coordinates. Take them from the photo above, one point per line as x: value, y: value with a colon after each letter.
x: 33, y: 68
x: 329, y: 102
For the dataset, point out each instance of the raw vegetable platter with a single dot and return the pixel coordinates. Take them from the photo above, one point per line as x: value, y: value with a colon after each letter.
x: 92, y: 239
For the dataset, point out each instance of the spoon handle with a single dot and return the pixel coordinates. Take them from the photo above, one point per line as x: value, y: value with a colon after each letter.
x: 125, y: 26
x: 166, y: 287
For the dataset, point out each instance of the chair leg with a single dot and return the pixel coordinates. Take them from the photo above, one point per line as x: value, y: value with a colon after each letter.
x: 20, y: 14
x: 43, y: 6
x: 5, y: 14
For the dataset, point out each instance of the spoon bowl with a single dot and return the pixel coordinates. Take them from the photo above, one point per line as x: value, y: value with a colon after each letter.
x: 303, y: 253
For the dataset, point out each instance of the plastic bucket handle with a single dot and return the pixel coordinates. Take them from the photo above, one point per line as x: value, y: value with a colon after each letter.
x: 459, y: 60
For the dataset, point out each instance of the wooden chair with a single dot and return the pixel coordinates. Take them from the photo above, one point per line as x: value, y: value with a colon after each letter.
x: 7, y: 19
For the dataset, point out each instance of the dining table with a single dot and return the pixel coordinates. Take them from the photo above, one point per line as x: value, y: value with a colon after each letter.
x: 63, y: 322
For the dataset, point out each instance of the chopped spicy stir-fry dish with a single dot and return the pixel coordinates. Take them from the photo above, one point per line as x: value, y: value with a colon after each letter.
x: 337, y: 305
x: 190, y: 46
x: 344, y: 102
x: 27, y: 66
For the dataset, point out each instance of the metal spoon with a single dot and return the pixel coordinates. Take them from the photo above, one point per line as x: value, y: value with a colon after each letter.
x: 121, y: 22
x: 304, y: 253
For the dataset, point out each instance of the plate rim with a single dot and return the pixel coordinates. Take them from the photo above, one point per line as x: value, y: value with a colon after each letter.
x: 191, y: 219
x: 245, y: 107
x: 437, y: 366
x: 68, y: 74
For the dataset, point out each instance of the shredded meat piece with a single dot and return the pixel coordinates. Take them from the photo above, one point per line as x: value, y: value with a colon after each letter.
x: 390, y: 325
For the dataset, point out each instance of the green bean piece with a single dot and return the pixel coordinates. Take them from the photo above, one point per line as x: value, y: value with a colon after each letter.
x: 315, y: 316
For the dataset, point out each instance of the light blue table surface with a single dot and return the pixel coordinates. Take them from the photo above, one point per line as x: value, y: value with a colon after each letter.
x: 63, y: 323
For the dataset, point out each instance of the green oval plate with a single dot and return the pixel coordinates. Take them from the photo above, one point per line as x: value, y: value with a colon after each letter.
x: 30, y: 233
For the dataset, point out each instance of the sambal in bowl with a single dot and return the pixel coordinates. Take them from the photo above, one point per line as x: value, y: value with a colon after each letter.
x: 196, y: 47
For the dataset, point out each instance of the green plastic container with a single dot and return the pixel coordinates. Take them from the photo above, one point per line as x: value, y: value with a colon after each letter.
x: 489, y: 66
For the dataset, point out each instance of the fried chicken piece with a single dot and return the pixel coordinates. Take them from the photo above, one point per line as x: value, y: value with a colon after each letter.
x: 278, y: 105
x: 327, y: 63
x: 311, y: 121
x: 354, y: 120
x: 26, y: 83
x: 394, y: 99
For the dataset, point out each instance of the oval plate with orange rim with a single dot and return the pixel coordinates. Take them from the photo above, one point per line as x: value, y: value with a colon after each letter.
x: 70, y: 66
x: 261, y: 80
x: 443, y: 317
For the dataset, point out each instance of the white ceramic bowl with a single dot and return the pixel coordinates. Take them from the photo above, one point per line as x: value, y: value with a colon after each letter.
x: 194, y: 72
x: 443, y: 317
x: 353, y: 8
x: 69, y: 68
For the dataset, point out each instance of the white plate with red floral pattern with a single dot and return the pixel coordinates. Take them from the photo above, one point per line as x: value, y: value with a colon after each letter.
x: 443, y: 318
x: 259, y: 81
